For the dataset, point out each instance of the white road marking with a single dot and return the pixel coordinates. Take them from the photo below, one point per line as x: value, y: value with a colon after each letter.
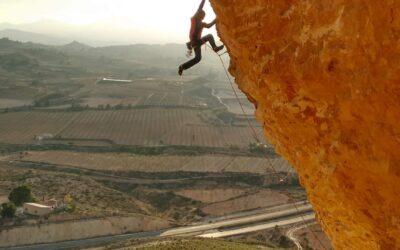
x: 258, y: 227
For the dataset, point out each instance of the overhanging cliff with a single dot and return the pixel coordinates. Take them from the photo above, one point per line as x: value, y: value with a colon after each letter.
x: 325, y: 78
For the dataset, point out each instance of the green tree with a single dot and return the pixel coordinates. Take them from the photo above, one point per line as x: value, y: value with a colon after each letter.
x: 21, y: 195
x: 8, y: 210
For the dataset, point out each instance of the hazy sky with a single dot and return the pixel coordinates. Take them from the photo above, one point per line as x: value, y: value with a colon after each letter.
x: 166, y: 17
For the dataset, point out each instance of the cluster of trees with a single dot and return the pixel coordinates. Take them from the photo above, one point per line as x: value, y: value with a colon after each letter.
x: 8, y: 210
x: 17, y: 197
x: 80, y: 107
x: 115, y: 107
x: 14, y: 61
x: 50, y: 100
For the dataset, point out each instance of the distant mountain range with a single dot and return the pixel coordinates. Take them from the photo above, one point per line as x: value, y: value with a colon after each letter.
x: 46, y: 32
x: 24, y: 36
x: 145, y: 59
x: 112, y: 31
x: 92, y: 40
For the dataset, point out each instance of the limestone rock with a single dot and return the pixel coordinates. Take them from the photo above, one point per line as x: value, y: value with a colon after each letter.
x: 325, y: 78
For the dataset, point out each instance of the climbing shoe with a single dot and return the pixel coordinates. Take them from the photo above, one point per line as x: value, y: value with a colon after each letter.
x: 189, y: 45
x: 216, y: 49
x: 180, y: 71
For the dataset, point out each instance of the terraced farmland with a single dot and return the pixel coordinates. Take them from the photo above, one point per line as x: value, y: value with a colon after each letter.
x: 22, y: 127
x: 143, y: 127
x: 167, y: 163
x: 153, y: 92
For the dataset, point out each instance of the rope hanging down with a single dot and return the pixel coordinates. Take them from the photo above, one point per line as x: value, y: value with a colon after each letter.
x: 256, y: 138
x: 237, y: 97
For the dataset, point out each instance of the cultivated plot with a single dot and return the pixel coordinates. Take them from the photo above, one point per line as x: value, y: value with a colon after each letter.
x: 142, y: 127
x: 163, y: 163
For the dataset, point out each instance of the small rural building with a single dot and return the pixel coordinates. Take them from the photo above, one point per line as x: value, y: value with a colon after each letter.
x: 110, y: 80
x: 53, y: 203
x: 45, y: 136
x: 37, y: 209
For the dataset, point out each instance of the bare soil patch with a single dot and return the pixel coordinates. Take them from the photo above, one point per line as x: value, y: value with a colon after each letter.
x: 260, y: 199
x: 211, y: 195
x: 313, y: 237
x: 3, y: 199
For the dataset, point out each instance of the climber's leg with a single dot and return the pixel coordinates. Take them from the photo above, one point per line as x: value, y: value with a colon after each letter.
x: 194, y: 61
x: 209, y: 38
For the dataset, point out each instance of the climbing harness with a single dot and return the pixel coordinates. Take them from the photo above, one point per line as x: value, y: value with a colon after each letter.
x: 255, y: 135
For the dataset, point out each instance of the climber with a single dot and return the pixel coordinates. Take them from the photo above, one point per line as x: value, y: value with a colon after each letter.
x: 196, y: 41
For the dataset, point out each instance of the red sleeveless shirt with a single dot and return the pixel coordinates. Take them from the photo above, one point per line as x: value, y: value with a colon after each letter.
x: 196, y: 29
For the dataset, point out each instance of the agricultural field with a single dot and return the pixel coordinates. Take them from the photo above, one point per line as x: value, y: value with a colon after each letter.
x: 144, y: 127
x: 155, y: 92
x: 158, y: 164
x: 23, y: 127
x: 10, y: 103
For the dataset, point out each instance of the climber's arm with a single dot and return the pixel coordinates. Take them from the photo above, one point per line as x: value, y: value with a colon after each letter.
x: 201, y: 5
x: 209, y: 25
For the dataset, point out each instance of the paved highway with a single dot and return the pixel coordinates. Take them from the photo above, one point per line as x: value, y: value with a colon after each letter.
x: 253, y: 212
x: 238, y: 221
x: 259, y: 227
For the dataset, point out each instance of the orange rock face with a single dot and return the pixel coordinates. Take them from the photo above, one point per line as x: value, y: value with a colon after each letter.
x: 325, y: 78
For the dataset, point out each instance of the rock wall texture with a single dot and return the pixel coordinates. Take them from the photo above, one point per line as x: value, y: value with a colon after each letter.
x: 325, y: 78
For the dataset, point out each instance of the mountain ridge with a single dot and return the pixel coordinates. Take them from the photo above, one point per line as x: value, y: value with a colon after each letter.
x: 108, y: 32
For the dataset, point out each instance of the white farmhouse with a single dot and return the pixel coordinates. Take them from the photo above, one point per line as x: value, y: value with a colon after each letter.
x: 37, y: 209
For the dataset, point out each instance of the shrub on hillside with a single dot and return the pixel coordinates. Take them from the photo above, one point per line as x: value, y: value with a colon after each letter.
x: 70, y: 204
x: 21, y: 195
x: 8, y: 210
x: 16, y: 61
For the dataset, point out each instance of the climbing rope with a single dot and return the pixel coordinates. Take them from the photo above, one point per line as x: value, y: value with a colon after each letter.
x: 272, y: 167
x: 237, y: 97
